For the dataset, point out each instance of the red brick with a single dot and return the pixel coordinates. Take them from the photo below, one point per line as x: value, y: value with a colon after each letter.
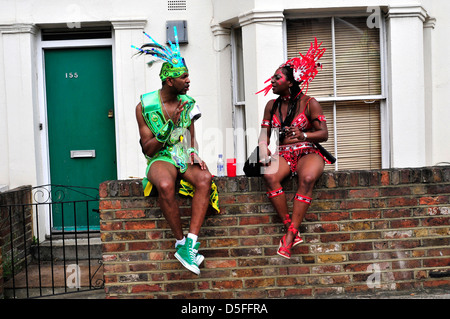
x: 146, y: 288
x: 254, y: 220
x: 332, y: 216
x: 227, y: 284
x: 127, y: 214
x: 385, y: 178
x: 129, y: 235
x: 143, y: 266
x: 298, y: 292
x: 145, y: 245
x: 139, y: 225
x: 110, y: 204
x: 406, y: 223
x: 248, y: 272
x: 108, y: 226
x: 326, y: 238
x: 436, y: 221
x: 395, y: 191
x: 203, y: 285
x: 355, y: 204
x: 404, y: 244
x: 436, y: 262
x: 436, y: 200
x: 260, y: 282
x: 180, y: 286
x: 291, y: 281
x: 221, y: 221
x: 401, y: 201
x: 363, y: 193
x: 103, y: 190
x: 219, y: 295
x: 223, y: 242
x: 220, y: 263
x: 115, y: 267
x: 366, y: 214
x: 329, y: 291
x: 252, y: 294
x: 397, y: 213
x: 436, y: 284
x: 110, y: 247
x: 404, y: 264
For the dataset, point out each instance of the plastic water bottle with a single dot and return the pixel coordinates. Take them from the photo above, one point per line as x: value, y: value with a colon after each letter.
x: 220, y: 166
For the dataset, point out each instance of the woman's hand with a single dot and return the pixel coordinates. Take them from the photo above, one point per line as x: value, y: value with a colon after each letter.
x: 294, y: 135
x: 264, y: 154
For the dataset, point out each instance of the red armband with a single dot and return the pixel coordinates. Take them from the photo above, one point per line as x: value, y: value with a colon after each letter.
x: 265, y: 123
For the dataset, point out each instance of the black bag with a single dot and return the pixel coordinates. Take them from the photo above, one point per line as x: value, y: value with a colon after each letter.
x: 325, y: 153
x: 252, y: 167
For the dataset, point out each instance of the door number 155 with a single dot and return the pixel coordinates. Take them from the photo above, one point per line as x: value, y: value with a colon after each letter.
x: 71, y: 75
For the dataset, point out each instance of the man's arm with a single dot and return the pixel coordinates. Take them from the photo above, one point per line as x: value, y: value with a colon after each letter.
x: 193, y: 157
x: 150, y: 145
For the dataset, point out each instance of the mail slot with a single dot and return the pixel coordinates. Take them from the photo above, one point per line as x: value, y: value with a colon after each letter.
x: 82, y: 154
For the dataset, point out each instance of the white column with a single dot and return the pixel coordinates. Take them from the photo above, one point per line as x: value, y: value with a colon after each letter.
x: 129, y: 79
x: 407, y: 85
x: 429, y: 101
x: 263, y: 50
x: 222, y: 135
x: 20, y: 125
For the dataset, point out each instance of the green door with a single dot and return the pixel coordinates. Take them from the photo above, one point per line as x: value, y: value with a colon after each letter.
x: 81, y: 130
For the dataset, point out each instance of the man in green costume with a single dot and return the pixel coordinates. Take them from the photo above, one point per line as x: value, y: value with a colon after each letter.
x: 168, y: 141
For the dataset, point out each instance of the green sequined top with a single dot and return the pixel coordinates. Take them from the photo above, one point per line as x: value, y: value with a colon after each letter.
x: 176, y: 136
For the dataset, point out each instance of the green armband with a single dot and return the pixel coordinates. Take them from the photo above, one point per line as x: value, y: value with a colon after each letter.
x: 191, y: 150
x: 165, y: 131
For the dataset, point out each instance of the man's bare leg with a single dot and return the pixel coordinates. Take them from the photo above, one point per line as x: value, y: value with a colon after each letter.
x: 201, y: 180
x: 163, y: 176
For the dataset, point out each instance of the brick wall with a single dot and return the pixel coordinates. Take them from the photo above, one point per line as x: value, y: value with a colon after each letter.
x: 15, y: 223
x: 1, y: 276
x: 366, y: 232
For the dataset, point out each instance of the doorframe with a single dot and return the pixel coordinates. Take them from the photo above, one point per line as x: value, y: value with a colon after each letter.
x: 44, y: 177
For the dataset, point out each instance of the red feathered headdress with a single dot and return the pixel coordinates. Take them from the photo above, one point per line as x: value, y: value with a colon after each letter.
x: 305, y: 67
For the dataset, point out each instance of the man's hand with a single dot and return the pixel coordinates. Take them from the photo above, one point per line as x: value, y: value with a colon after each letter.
x: 178, y: 110
x: 195, y: 159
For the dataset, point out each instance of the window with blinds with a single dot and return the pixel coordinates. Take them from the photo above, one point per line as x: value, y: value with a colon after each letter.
x: 348, y: 87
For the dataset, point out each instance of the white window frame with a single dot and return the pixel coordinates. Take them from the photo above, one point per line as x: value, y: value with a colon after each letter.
x: 238, y: 116
x: 383, y: 98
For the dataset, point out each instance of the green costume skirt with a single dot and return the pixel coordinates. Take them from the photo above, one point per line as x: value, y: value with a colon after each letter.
x: 186, y: 188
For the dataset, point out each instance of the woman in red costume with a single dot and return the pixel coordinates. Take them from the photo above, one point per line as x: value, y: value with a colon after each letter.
x: 300, y: 121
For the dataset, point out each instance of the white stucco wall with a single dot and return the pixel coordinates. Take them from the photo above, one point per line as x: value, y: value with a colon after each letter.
x: 417, y: 68
x: 440, y: 53
x: 20, y: 111
x: 419, y: 140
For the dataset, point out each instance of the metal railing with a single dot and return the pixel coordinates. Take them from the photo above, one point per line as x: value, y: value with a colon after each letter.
x: 50, y: 241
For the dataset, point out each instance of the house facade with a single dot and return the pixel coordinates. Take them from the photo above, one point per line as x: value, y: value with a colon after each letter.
x: 69, y: 80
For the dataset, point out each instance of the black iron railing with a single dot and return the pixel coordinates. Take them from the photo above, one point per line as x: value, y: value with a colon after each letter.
x: 50, y: 241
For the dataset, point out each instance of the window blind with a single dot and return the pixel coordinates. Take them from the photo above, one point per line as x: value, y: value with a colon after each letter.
x: 353, y: 125
x: 300, y: 34
x: 358, y: 69
x: 358, y: 135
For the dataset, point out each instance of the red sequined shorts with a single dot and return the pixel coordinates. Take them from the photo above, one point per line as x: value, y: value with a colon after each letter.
x: 293, y: 152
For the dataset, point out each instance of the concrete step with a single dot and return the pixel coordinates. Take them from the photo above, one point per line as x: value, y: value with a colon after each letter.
x: 68, y: 248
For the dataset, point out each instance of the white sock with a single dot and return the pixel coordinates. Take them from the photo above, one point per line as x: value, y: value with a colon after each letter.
x: 194, y: 238
x: 180, y: 242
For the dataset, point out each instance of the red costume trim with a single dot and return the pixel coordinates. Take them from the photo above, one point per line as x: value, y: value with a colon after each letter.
x: 275, y: 193
x: 303, y: 198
